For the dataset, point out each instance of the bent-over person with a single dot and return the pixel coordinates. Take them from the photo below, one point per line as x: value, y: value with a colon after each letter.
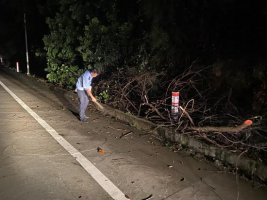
x: 83, y: 86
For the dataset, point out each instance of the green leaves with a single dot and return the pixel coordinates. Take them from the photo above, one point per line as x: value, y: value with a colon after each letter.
x: 103, y: 45
x: 107, y: 34
x: 87, y: 34
x: 60, y: 47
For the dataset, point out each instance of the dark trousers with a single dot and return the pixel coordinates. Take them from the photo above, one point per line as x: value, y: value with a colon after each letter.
x: 83, y: 102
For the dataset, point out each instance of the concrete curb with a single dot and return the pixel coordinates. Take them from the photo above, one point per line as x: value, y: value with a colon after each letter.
x: 251, y: 168
x: 245, y: 165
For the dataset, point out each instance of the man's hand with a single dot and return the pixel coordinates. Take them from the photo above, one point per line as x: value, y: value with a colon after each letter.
x: 94, y: 99
x: 90, y: 94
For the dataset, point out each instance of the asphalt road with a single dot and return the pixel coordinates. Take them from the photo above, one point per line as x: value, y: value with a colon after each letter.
x: 58, y: 159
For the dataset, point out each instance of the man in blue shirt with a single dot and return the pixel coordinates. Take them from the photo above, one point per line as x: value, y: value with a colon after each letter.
x: 83, y: 90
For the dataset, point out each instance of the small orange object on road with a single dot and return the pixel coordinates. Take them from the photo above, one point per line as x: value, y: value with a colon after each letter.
x: 100, y: 150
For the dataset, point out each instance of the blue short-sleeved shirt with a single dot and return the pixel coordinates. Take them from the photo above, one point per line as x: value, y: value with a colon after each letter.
x: 84, y: 81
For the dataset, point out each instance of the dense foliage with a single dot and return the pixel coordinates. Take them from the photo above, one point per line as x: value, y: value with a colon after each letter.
x: 162, y: 35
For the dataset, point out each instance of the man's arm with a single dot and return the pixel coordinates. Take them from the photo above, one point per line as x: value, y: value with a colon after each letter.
x: 91, y: 95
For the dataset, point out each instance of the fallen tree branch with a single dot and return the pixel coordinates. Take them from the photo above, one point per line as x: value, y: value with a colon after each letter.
x: 125, y: 134
x: 236, y: 129
x: 155, y: 109
x: 186, y: 113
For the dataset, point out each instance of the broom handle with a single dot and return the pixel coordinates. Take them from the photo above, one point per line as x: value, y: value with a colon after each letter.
x: 99, y: 105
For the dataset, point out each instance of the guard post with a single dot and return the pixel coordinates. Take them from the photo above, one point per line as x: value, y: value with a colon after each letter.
x: 17, y: 64
x: 175, y: 106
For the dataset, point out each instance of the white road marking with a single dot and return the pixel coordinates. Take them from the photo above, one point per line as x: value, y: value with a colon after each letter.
x: 102, y: 180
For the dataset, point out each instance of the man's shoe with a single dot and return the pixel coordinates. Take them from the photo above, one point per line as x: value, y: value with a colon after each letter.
x: 86, y: 117
x: 84, y: 121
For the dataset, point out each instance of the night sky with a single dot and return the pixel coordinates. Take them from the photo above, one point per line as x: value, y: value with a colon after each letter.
x: 12, y: 35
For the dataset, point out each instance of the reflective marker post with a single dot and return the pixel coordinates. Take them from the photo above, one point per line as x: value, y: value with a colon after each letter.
x: 17, y: 64
x: 26, y: 44
x: 175, y: 105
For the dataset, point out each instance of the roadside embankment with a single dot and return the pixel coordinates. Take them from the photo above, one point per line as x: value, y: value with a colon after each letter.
x: 249, y: 167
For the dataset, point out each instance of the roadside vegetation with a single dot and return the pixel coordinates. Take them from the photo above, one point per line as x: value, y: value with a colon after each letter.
x: 212, y: 52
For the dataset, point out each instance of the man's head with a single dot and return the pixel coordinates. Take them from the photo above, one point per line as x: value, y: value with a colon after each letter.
x: 94, y: 72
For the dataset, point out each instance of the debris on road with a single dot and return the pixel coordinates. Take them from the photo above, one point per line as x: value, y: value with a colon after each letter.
x: 125, y: 134
x: 149, y: 197
x: 100, y: 150
x: 170, y: 166
x: 127, y: 196
x: 117, y: 158
x: 96, y: 119
x: 145, y: 134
